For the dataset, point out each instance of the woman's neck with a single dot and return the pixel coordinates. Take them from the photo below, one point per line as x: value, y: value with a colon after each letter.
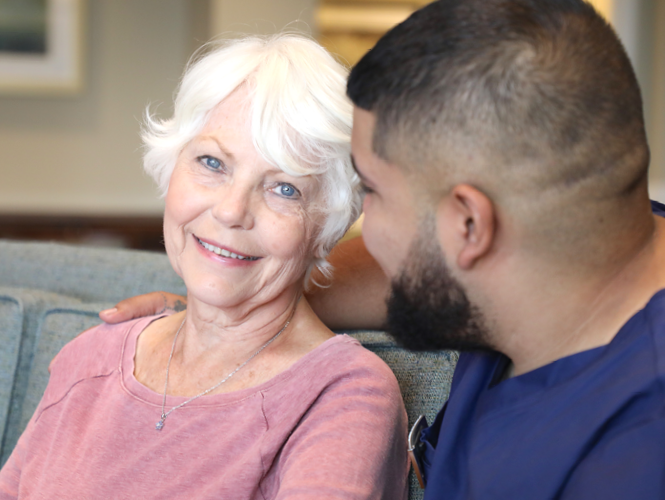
x: 241, y: 328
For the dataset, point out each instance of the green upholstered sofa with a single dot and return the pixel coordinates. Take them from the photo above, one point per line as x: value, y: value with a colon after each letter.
x: 50, y: 292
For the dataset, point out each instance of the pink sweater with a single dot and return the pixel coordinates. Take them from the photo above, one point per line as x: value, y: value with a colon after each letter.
x: 331, y: 426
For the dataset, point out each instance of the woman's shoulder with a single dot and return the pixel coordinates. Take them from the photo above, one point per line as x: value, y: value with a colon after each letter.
x: 96, y: 351
x: 345, y: 351
x: 338, y: 389
x: 343, y: 360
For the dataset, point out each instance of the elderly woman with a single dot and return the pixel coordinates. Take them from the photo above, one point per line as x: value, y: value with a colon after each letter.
x: 246, y: 394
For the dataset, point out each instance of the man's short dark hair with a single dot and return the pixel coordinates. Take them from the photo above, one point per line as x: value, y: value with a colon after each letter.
x: 542, y: 89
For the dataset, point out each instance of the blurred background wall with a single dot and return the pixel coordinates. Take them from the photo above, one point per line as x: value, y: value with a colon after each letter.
x: 70, y: 166
x: 80, y: 154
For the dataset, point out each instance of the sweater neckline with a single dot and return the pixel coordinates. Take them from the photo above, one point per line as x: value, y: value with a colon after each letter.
x: 141, y: 392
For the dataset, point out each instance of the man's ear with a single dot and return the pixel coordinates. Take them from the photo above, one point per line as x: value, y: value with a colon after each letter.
x: 466, y: 225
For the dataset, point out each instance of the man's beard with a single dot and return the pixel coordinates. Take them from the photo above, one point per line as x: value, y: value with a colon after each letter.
x: 428, y: 308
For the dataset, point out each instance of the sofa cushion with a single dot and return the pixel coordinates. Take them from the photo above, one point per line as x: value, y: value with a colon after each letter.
x: 34, y: 308
x: 11, y: 328
x: 57, y: 327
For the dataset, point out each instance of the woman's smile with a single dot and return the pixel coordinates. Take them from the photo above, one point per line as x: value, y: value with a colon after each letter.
x: 224, y: 252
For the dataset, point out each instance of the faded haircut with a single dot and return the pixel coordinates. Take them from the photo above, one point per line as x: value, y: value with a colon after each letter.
x: 540, y: 94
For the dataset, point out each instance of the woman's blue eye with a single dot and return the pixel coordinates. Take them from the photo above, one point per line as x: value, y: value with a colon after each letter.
x: 286, y: 190
x: 212, y: 163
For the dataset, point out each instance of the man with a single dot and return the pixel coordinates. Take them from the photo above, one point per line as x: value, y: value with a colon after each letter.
x: 502, y: 147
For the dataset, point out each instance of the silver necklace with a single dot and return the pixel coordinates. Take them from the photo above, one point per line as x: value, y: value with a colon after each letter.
x: 160, y: 424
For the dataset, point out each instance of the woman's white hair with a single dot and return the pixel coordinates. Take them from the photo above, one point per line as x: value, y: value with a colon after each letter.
x: 301, y: 119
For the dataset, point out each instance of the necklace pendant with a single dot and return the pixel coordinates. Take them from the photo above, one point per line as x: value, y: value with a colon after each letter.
x: 159, y: 425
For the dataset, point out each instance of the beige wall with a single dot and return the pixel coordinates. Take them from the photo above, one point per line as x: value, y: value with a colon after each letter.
x: 261, y: 16
x: 641, y: 27
x: 656, y: 103
x: 81, y: 154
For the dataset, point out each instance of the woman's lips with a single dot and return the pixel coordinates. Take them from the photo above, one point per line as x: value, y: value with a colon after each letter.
x: 224, y: 252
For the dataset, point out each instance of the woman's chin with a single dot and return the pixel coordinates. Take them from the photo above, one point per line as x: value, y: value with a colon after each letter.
x: 220, y: 298
x: 228, y: 295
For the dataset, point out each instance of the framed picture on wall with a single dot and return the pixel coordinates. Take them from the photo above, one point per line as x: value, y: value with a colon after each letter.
x: 41, y: 46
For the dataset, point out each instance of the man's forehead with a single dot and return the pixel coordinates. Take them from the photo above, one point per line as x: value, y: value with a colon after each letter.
x: 362, y: 152
x: 363, y: 127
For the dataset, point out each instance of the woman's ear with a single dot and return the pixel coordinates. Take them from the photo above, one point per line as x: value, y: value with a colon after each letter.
x: 466, y: 225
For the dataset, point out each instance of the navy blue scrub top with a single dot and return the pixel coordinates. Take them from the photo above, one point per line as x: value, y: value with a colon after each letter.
x: 587, y: 426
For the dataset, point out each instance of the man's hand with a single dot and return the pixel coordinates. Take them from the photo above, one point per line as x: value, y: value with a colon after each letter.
x: 356, y: 298
x: 144, y: 305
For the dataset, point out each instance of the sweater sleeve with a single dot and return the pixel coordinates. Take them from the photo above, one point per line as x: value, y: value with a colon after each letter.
x: 10, y: 475
x: 351, y: 443
x: 64, y: 373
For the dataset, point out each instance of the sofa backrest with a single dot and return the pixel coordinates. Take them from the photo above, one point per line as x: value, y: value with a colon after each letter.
x: 88, y: 274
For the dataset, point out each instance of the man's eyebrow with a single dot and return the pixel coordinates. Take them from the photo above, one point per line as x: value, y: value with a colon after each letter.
x: 355, y: 167
x: 365, y: 182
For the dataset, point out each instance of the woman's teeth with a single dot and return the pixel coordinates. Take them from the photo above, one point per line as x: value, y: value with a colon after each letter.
x: 224, y: 253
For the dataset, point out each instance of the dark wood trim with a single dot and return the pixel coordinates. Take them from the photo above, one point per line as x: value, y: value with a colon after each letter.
x: 141, y: 233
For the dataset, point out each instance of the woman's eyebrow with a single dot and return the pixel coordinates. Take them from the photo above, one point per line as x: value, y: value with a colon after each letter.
x: 221, y: 147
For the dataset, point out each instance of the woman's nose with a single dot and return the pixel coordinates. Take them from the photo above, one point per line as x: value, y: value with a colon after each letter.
x: 233, y: 207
